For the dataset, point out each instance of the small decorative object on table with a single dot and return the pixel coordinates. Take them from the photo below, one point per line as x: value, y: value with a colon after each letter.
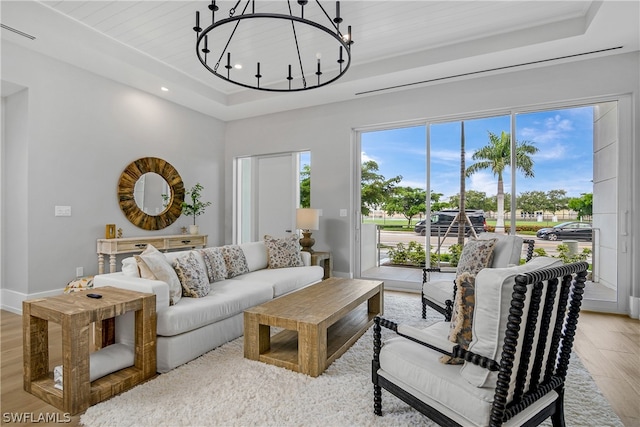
x: 110, y: 231
x: 196, y: 207
x: 119, y: 233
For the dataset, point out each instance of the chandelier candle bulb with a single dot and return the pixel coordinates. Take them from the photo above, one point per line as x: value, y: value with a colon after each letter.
x: 197, y: 28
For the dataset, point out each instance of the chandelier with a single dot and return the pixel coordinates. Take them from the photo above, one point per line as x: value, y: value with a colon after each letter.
x: 273, y: 47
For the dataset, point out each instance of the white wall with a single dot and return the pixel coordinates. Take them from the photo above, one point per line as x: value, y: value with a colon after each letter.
x: 82, y: 131
x: 327, y: 132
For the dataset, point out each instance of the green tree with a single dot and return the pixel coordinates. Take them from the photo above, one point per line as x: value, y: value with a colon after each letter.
x: 407, y: 201
x: 305, y: 187
x: 473, y: 200
x: 582, y: 205
x: 492, y: 203
x: 531, y: 201
x: 375, y: 187
x: 436, y: 204
x: 496, y: 156
x: 557, y: 200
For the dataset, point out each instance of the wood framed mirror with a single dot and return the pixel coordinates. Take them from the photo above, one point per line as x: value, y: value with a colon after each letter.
x: 128, y: 192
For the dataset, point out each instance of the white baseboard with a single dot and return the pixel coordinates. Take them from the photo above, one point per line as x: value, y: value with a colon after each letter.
x: 12, y: 300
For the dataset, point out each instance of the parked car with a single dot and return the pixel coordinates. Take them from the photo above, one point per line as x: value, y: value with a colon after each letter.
x: 441, y: 220
x: 573, y: 230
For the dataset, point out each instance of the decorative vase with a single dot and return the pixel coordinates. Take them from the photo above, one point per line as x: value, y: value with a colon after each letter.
x: 193, y: 229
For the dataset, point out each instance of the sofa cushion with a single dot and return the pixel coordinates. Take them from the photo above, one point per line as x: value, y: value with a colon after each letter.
x: 154, y: 265
x: 283, y: 252
x: 214, y: 262
x: 235, y: 260
x: 507, y: 250
x: 493, y: 290
x: 193, y: 277
x: 476, y: 255
x: 285, y: 280
x: 227, y: 299
x: 256, y: 255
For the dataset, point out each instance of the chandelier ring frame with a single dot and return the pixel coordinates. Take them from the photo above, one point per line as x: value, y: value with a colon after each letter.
x: 339, y: 37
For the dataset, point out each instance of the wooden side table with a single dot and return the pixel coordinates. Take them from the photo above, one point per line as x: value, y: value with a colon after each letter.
x: 323, y: 259
x: 75, y: 312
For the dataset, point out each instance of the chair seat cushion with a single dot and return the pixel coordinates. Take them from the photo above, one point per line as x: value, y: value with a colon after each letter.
x: 417, y: 370
x: 439, y: 291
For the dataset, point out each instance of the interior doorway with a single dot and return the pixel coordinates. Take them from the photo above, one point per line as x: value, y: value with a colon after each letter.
x: 268, y: 190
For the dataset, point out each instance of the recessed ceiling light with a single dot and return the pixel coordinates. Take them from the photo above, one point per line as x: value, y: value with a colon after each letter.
x: 164, y: 89
x: 238, y: 66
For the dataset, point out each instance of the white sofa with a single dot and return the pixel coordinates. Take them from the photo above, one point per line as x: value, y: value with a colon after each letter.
x: 194, y: 326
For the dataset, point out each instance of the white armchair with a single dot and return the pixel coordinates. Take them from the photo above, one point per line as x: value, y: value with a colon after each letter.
x: 439, y: 294
x: 511, y: 372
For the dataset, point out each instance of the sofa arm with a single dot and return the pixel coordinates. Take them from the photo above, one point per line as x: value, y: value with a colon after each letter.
x: 119, y: 280
x: 306, y: 258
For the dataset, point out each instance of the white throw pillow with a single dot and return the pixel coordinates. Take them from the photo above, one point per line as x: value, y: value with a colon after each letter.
x: 153, y: 265
x: 130, y: 267
x: 493, y: 289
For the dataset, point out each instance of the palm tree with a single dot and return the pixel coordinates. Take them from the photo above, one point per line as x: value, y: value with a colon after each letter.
x: 496, y: 156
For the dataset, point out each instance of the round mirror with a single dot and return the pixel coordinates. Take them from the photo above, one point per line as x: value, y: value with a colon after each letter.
x: 152, y: 193
x: 162, y: 205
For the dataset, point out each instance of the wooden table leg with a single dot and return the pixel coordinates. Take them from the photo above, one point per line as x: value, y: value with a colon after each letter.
x: 35, y: 347
x: 312, y: 349
x: 76, y: 386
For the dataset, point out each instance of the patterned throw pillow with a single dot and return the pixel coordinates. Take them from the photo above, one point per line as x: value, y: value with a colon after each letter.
x: 193, y: 277
x: 153, y: 265
x: 283, y: 252
x: 476, y: 255
x: 214, y: 261
x: 235, y: 260
x: 460, y: 331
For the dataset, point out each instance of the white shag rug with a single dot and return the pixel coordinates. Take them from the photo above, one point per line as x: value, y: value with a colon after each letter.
x: 222, y: 388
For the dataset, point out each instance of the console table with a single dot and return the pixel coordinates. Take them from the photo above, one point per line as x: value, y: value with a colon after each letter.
x: 127, y: 245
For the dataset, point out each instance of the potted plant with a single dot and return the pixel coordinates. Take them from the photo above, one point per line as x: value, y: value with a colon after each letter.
x: 196, y: 207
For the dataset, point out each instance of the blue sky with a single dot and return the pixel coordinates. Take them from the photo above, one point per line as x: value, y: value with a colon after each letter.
x: 564, y: 160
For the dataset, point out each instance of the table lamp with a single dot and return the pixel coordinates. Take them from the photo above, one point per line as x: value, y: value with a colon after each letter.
x: 307, y: 219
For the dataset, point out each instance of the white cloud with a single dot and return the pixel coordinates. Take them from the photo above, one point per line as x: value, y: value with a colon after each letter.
x: 365, y: 158
x: 553, y: 129
x: 484, y: 182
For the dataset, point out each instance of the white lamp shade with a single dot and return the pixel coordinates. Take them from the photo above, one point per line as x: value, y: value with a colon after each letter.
x: 307, y: 219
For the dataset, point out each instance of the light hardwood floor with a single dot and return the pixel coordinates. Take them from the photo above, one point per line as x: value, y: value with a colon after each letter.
x: 609, y: 346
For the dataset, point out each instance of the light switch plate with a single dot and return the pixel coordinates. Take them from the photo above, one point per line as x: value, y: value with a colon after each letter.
x: 343, y: 212
x: 63, y: 211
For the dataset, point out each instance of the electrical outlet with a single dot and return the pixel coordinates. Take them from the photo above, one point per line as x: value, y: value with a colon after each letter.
x: 79, y: 271
x: 343, y: 212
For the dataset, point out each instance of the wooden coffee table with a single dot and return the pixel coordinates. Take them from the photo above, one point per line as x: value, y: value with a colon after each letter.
x: 320, y: 323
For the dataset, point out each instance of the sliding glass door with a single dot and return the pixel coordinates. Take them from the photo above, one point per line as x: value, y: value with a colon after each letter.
x: 560, y: 172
